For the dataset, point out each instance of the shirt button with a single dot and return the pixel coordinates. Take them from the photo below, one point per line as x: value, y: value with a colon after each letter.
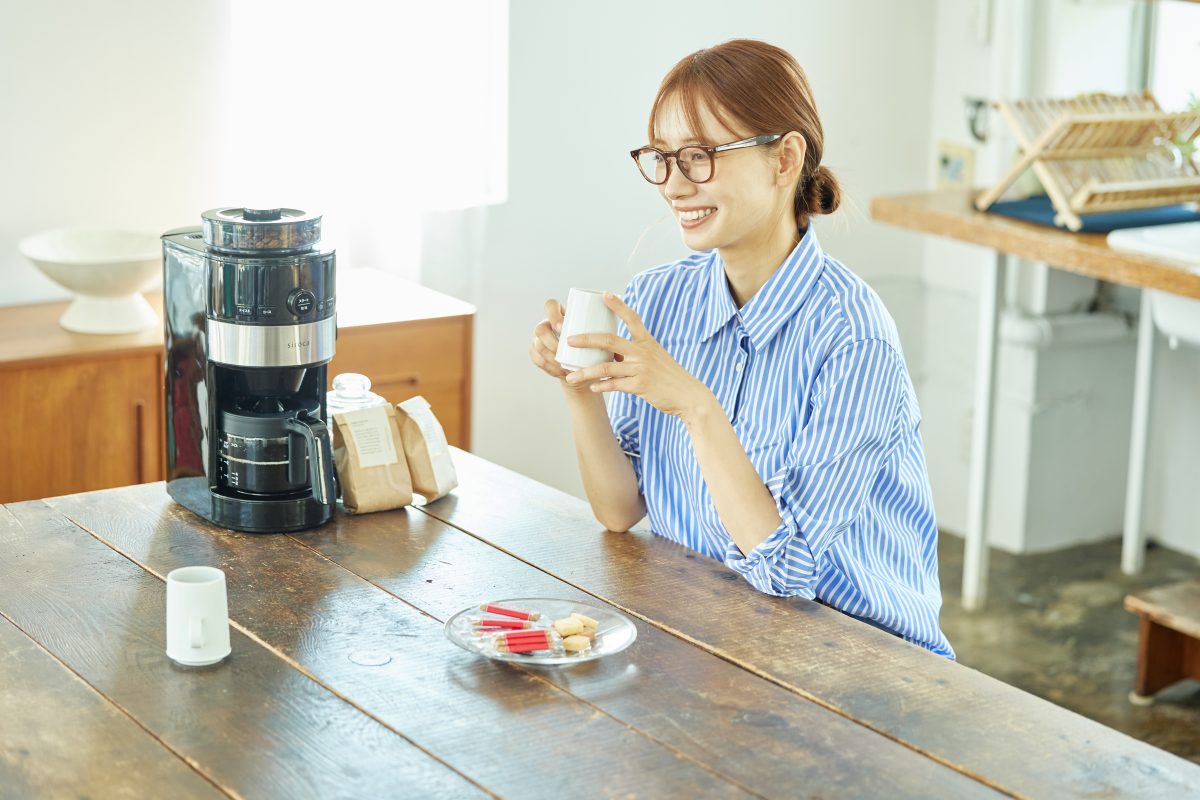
x: 738, y: 366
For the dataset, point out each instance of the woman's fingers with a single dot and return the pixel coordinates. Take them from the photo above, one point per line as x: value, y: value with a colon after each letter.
x: 554, y: 313
x: 628, y: 385
x: 603, y: 341
x: 544, y: 334
x: 632, y: 321
x: 543, y: 359
x: 609, y: 369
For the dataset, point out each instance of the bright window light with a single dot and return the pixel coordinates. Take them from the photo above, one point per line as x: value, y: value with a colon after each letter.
x: 1176, y: 71
x: 369, y: 112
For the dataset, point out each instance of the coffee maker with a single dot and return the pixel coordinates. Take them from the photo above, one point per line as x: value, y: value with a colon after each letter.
x: 249, y: 312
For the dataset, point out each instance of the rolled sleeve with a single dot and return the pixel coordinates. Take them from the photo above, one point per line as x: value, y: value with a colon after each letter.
x: 622, y: 415
x: 862, y: 403
x: 624, y: 408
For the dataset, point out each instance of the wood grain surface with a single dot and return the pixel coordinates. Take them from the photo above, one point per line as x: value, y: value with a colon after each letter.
x: 951, y: 214
x: 760, y: 735
x: 1176, y: 606
x: 1008, y: 738
x: 506, y: 729
x: 252, y: 724
x: 60, y: 738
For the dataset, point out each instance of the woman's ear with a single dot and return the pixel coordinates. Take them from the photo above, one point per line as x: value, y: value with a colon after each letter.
x: 792, y: 149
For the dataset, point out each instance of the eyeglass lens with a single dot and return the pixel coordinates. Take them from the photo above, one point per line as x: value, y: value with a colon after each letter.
x: 694, y: 162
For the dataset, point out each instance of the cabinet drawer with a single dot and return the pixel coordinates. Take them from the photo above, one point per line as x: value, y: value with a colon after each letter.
x: 427, y: 352
x: 79, y: 426
x: 445, y: 399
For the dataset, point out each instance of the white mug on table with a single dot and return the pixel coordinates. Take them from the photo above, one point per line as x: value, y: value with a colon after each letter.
x: 197, y: 616
x: 586, y: 313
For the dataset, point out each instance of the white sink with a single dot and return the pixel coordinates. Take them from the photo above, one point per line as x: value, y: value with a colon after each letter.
x: 1176, y: 316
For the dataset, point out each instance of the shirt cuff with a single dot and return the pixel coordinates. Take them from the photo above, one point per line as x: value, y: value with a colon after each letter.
x: 635, y: 461
x: 786, y: 541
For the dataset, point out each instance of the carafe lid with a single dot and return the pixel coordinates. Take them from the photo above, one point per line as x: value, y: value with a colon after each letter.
x: 256, y: 229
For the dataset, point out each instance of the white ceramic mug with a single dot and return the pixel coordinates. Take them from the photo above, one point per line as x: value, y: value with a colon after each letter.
x: 586, y: 313
x: 197, y: 616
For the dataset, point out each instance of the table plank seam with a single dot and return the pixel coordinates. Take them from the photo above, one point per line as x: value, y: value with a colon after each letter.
x: 287, y: 660
x: 963, y: 770
x: 191, y: 764
x: 541, y: 679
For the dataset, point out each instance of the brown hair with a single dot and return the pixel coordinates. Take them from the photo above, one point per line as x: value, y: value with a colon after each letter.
x: 754, y: 88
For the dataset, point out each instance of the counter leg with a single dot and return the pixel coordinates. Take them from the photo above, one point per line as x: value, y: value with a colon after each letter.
x: 1133, y: 541
x: 975, y: 556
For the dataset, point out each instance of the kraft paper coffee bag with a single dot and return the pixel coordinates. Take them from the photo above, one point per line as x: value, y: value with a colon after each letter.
x: 369, y: 456
x: 426, y: 449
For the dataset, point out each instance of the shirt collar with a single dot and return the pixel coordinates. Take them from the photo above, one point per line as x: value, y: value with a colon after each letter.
x: 777, y: 301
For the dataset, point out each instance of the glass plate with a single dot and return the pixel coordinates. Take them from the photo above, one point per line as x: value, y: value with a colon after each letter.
x: 614, y: 631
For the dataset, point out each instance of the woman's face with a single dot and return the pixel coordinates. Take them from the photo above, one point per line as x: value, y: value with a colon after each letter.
x: 742, y: 204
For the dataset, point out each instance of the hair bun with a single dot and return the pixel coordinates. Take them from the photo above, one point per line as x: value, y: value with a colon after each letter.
x: 822, y: 193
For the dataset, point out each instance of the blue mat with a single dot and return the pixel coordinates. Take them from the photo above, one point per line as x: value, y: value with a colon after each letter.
x: 1040, y: 211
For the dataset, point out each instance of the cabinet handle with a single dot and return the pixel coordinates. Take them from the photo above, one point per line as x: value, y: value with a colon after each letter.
x: 406, y: 380
x: 139, y: 415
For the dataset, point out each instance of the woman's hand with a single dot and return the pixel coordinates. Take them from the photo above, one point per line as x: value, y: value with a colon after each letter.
x: 643, y: 368
x: 543, y: 350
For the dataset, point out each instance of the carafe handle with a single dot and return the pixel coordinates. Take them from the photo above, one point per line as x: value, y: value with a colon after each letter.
x: 320, y: 455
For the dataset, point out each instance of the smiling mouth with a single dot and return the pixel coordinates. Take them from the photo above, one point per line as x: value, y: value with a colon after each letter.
x: 692, y: 216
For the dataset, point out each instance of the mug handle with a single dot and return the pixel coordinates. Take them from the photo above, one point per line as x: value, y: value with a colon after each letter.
x: 196, y: 631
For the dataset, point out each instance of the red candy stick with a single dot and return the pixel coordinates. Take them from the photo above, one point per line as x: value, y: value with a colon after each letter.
x: 509, y: 612
x: 520, y: 646
x: 502, y: 623
x: 509, y: 636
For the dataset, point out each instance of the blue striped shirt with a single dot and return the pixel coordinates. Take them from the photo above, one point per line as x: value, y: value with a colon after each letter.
x: 811, y: 376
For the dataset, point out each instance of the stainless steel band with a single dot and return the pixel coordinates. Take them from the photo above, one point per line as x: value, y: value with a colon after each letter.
x: 272, y: 345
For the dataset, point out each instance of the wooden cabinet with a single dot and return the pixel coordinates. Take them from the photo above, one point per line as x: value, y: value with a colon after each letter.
x: 86, y: 412
x: 76, y: 425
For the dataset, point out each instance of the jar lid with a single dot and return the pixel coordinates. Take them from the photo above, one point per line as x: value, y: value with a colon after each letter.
x: 351, y: 391
x: 254, y: 229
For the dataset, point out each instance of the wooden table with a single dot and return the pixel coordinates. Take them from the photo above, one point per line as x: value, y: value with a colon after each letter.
x: 725, y: 693
x: 951, y: 214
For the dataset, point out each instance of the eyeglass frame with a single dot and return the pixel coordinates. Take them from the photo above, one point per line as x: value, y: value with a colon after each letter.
x: 711, y: 149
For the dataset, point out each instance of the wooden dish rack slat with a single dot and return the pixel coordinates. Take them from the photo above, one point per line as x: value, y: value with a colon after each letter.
x: 1099, y: 153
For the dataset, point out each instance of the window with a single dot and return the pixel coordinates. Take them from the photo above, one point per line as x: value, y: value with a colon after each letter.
x: 371, y: 113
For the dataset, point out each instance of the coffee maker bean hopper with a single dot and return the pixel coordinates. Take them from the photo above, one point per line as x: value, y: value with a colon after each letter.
x: 250, y: 327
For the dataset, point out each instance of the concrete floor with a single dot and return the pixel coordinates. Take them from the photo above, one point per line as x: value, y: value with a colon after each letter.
x: 1054, y: 626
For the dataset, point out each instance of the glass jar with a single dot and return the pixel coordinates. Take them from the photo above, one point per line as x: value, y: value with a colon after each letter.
x: 351, y: 391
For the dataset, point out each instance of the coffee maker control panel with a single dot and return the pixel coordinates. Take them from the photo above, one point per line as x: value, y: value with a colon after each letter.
x: 275, y: 292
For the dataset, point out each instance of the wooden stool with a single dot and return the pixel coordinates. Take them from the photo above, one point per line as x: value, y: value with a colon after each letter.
x: 1169, y: 642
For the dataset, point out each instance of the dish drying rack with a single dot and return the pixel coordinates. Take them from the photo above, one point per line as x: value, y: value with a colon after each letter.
x: 1100, y: 152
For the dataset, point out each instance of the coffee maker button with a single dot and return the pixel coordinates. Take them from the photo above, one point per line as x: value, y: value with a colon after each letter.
x: 301, y: 301
x: 244, y: 286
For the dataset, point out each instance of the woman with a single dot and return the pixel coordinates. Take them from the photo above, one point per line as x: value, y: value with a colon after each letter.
x: 761, y: 412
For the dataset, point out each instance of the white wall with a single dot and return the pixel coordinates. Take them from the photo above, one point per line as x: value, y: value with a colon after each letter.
x: 582, y: 79
x: 103, y: 121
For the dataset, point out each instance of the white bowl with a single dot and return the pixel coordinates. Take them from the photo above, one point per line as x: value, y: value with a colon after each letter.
x: 106, y: 269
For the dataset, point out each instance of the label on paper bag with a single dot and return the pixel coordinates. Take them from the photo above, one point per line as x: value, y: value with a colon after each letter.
x: 367, y: 452
x: 426, y: 449
x: 372, y: 434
